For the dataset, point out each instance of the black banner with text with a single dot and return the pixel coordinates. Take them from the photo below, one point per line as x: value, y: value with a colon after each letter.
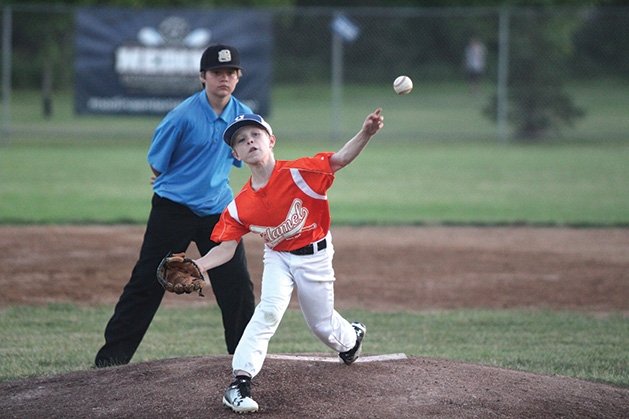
x: 146, y: 61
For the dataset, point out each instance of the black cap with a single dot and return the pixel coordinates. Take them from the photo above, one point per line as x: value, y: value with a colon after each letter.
x: 220, y: 56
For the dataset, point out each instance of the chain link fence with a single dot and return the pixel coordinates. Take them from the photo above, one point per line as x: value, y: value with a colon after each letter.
x: 540, y: 73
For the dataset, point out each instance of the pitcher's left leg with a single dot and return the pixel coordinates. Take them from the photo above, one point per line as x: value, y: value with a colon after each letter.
x: 315, y: 288
x: 317, y: 305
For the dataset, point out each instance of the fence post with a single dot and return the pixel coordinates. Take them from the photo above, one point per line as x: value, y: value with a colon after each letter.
x: 6, y: 72
x: 503, y: 73
x: 337, y: 84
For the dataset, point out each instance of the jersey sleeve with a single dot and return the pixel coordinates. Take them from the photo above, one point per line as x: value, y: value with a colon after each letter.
x: 163, y: 144
x: 229, y: 226
x: 316, y: 171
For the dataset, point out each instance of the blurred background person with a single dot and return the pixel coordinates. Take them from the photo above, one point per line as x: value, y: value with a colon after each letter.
x: 475, y: 56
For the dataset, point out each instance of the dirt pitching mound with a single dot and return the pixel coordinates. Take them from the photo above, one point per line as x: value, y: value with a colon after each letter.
x: 287, y: 389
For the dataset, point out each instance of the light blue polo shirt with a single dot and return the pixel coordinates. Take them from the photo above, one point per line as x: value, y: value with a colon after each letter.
x: 194, y: 162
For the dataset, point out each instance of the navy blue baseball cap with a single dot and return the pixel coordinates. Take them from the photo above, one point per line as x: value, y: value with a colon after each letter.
x: 244, y: 120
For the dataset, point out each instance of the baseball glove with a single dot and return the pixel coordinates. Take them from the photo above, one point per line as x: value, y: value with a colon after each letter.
x: 180, y: 274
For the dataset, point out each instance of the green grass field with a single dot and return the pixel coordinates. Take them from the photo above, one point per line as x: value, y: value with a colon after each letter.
x: 436, y: 161
x: 404, y: 183
x: 432, y: 112
x: 62, y: 337
x: 90, y: 169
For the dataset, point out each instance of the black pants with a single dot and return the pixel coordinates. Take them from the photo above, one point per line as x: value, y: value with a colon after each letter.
x: 172, y: 227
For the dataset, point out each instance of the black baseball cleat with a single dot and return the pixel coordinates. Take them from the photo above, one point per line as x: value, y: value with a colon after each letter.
x: 238, y: 396
x: 353, y: 354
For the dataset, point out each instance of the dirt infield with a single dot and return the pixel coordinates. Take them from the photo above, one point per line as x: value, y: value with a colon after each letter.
x: 380, y: 269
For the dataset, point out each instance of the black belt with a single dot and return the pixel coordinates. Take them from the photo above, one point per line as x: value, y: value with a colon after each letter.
x: 310, y: 249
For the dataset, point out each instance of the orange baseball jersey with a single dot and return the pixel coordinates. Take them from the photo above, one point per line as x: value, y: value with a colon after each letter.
x: 290, y: 212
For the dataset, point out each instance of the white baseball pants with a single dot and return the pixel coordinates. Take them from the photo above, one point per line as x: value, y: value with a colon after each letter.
x: 314, y: 277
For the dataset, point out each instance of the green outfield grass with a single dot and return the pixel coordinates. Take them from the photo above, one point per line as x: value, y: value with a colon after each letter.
x: 436, y: 161
x: 432, y: 112
x: 59, y: 338
x: 404, y: 182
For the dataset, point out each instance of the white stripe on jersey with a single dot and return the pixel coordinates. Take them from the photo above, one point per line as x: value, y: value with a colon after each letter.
x: 305, y: 188
x: 233, y: 211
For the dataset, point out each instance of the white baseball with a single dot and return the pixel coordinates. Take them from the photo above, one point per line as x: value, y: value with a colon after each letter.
x: 403, y: 85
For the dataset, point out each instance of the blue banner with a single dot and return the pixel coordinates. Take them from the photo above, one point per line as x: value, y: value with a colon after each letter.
x: 146, y: 61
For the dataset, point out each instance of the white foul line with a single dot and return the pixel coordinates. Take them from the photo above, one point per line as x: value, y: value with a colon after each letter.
x: 372, y: 358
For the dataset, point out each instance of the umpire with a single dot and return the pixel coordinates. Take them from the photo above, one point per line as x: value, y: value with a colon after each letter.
x: 191, y: 164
